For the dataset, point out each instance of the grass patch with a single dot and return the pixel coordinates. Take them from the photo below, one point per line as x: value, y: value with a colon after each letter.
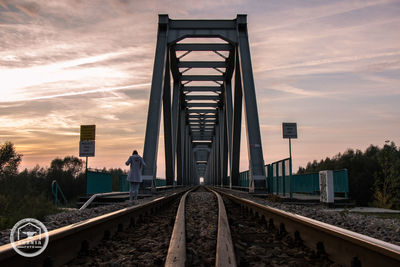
x: 13, y: 209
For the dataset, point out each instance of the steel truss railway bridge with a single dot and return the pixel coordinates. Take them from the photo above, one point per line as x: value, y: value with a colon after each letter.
x: 201, y: 99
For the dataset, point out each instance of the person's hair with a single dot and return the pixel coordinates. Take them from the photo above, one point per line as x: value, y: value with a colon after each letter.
x: 134, y: 152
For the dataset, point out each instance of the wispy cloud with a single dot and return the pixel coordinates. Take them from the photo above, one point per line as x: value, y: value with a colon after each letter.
x: 85, y: 92
x: 293, y: 17
x: 324, y: 61
x: 66, y: 63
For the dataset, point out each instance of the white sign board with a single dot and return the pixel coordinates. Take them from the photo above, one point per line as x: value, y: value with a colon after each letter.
x: 86, y: 148
x: 326, y: 186
x: 289, y: 129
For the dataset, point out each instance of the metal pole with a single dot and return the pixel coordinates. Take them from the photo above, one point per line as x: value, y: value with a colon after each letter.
x: 290, y: 168
x: 86, y: 172
x: 56, y: 200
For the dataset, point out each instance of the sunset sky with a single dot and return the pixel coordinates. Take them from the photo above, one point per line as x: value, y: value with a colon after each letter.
x: 331, y: 66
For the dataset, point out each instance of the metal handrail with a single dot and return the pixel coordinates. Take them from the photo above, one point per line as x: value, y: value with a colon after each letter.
x: 55, y: 187
x: 90, y: 200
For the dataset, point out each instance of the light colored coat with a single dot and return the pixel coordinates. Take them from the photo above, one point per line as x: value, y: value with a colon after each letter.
x: 135, y: 173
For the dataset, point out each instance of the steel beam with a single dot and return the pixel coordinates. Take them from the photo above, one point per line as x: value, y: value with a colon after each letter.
x: 202, y: 24
x: 228, y: 111
x: 202, y: 97
x: 202, y: 88
x: 210, y: 124
x: 202, y: 137
x: 256, y: 158
x: 168, y: 139
x: 154, y: 111
x: 181, y: 147
x: 202, y: 78
x: 201, y: 64
x: 175, y: 121
x: 205, y: 117
x: 201, y: 105
x: 202, y: 47
x: 237, y: 125
x: 199, y: 111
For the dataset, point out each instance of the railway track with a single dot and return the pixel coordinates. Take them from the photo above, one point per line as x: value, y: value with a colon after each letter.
x: 341, y: 246
x: 224, y: 252
x: 66, y: 243
x: 253, y: 222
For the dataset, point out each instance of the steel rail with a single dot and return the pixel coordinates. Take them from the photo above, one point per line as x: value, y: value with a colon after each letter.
x: 176, y: 255
x: 225, y: 255
x: 342, y: 246
x: 67, y: 242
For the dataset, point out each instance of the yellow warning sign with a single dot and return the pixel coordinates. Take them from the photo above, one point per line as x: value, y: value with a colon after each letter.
x: 88, y: 132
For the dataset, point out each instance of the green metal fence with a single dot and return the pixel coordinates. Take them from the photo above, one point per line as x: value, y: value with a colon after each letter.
x: 341, y: 182
x: 98, y: 182
x: 279, y: 177
x: 244, y: 179
x: 306, y: 183
x: 101, y: 182
x: 124, y: 184
x: 309, y: 183
x: 281, y: 181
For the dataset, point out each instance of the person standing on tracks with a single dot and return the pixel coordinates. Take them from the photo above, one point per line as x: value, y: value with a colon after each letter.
x: 135, y: 174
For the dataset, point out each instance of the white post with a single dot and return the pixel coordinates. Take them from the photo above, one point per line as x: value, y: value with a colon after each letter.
x: 326, y: 186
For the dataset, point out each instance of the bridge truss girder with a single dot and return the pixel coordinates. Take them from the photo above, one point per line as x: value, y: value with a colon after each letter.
x: 202, y: 123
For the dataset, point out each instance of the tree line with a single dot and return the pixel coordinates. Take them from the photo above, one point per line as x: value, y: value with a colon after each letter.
x: 28, y: 193
x: 374, y: 179
x: 374, y: 175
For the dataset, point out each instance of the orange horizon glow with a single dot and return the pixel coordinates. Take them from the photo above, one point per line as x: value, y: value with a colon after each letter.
x: 332, y: 67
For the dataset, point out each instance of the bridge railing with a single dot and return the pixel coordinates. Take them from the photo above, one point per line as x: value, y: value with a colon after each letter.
x: 309, y: 183
x: 124, y: 184
x: 58, y: 193
x: 282, y: 182
x: 279, y: 177
x: 102, y: 182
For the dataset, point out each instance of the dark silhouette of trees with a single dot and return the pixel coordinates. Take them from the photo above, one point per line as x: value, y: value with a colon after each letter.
x: 9, y: 159
x: 68, y: 173
x: 28, y: 193
x: 387, y: 177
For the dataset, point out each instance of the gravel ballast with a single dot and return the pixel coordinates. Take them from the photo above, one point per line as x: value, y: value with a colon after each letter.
x: 68, y: 217
x: 201, y: 217
x: 385, y: 229
x: 258, y: 245
x: 145, y: 244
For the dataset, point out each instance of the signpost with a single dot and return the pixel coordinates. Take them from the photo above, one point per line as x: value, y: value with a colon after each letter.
x: 289, y: 130
x: 88, y: 132
x: 87, y: 143
x: 86, y: 148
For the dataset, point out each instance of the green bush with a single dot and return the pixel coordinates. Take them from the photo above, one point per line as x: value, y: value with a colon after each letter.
x: 28, y: 193
x: 13, y: 209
